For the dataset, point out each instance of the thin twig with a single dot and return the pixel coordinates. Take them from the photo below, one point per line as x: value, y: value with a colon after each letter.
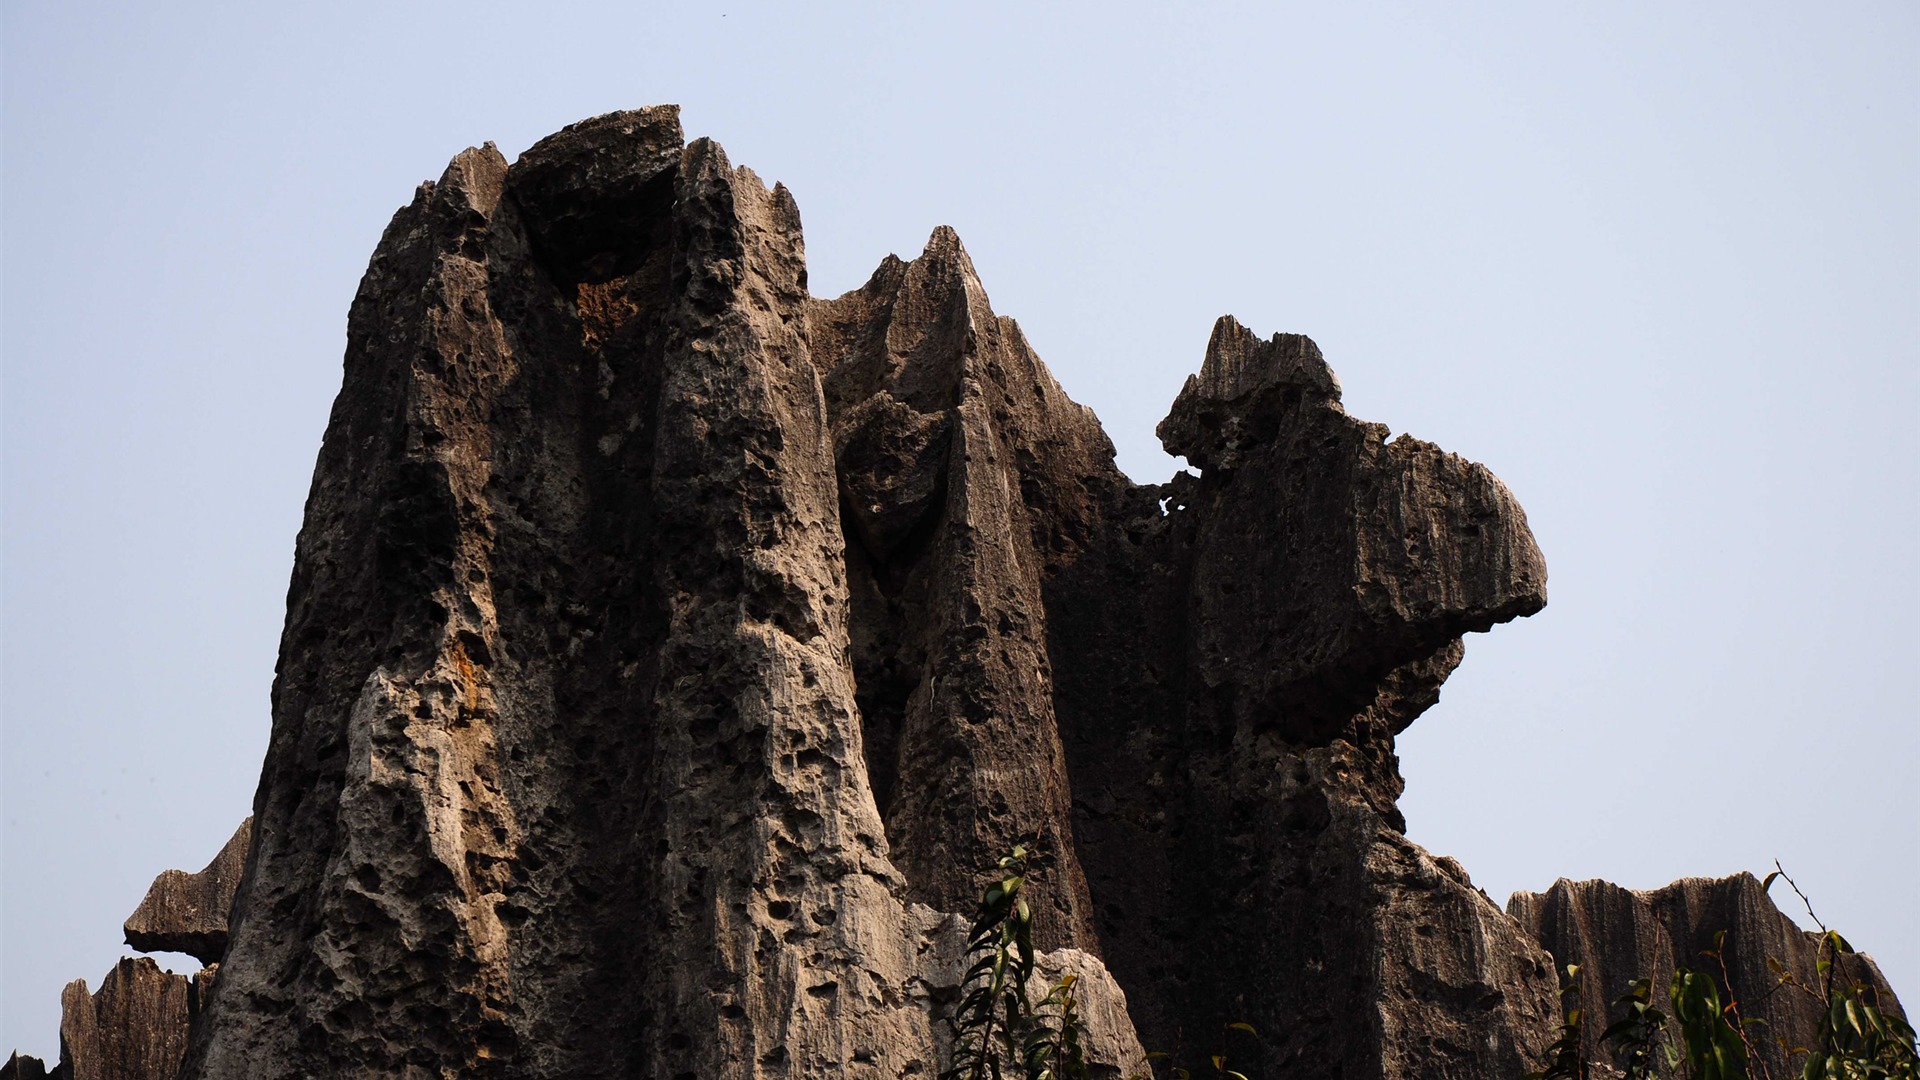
x: 1804, y: 902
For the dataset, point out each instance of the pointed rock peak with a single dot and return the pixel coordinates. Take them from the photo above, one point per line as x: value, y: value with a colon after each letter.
x: 23, y: 1067
x: 705, y: 159
x: 1239, y: 363
x: 944, y: 274
x: 944, y: 243
x: 474, y: 179
x: 1242, y: 377
x: 945, y: 251
x: 597, y: 196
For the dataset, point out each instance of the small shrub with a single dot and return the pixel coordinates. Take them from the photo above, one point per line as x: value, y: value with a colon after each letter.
x: 998, y: 1029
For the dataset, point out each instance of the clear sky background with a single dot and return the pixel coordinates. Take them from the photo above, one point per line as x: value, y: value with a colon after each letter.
x: 1656, y: 264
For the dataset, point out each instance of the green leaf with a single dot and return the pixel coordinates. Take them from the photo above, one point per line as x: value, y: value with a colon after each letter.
x: 1240, y: 1025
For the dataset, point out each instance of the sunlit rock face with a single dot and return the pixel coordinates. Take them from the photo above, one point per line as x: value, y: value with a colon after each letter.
x: 668, y: 650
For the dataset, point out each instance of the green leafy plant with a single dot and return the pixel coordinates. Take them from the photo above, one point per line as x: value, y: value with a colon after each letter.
x: 1855, y: 1041
x: 1567, y: 1056
x: 1711, y: 1043
x: 1636, y: 1038
x: 999, y: 1030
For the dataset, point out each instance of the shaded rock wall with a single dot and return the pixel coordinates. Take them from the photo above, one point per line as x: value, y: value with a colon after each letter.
x: 1618, y: 935
x: 1240, y: 649
x: 133, y: 1028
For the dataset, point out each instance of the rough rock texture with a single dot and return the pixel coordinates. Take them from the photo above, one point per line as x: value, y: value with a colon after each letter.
x: 1237, y: 652
x: 188, y: 912
x: 967, y: 477
x: 1617, y: 935
x: 566, y: 777
x: 667, y: 649
x: 133, y: 1028
x: 139, y: 1024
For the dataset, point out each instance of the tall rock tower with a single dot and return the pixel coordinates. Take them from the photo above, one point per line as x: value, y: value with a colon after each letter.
x: 668, y: 649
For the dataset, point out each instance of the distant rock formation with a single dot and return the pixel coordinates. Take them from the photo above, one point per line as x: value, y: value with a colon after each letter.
x: 668, y: 650
x: 138, y: 1024
x: 1617, y: 935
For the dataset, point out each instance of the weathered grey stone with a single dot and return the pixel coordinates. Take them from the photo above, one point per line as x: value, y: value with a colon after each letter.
x: 962, y: 470
x: 631, y: 572
x: 186, y: 912
x: 133, y: 1028
x: 566, y: 776
x: 667, y: 650
x: 1617, y: 935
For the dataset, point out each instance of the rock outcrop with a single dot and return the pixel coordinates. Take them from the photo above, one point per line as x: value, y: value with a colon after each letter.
x: 668, y: 650
x: 133, y: 1028
x: 138, y: 1025
x: 1238, y: 650
x: 1617, y: 935
x: 566, y: 775
x: 188, y: 913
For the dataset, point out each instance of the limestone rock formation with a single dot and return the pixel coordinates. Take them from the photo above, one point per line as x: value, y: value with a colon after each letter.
x: 140, y: 1022
x: 566, y: 775
x: 1235, y: 666
x: 668, y: 649
x: 186, y: 912
x: 133, y: 1028
x: 1616, y: 935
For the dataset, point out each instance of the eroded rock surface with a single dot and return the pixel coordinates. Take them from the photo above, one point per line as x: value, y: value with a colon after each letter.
x: 667, y: 650
x: 1617, y: 935
x: 133, y: 1028
x: 1237, y: 651
x: 566, y: 774
x: 188, y: 913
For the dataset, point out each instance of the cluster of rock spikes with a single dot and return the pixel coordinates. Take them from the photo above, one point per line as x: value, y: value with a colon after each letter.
x: 667, y: 649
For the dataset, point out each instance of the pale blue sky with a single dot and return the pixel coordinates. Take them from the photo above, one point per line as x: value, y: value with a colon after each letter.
x: 1656, y: 264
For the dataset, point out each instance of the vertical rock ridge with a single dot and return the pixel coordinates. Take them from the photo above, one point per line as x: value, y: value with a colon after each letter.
x: 950, y: 433
x: 382, y: 836
x: 1616, y: 935
x: 133, y: 1028
x: 1292, y: 608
